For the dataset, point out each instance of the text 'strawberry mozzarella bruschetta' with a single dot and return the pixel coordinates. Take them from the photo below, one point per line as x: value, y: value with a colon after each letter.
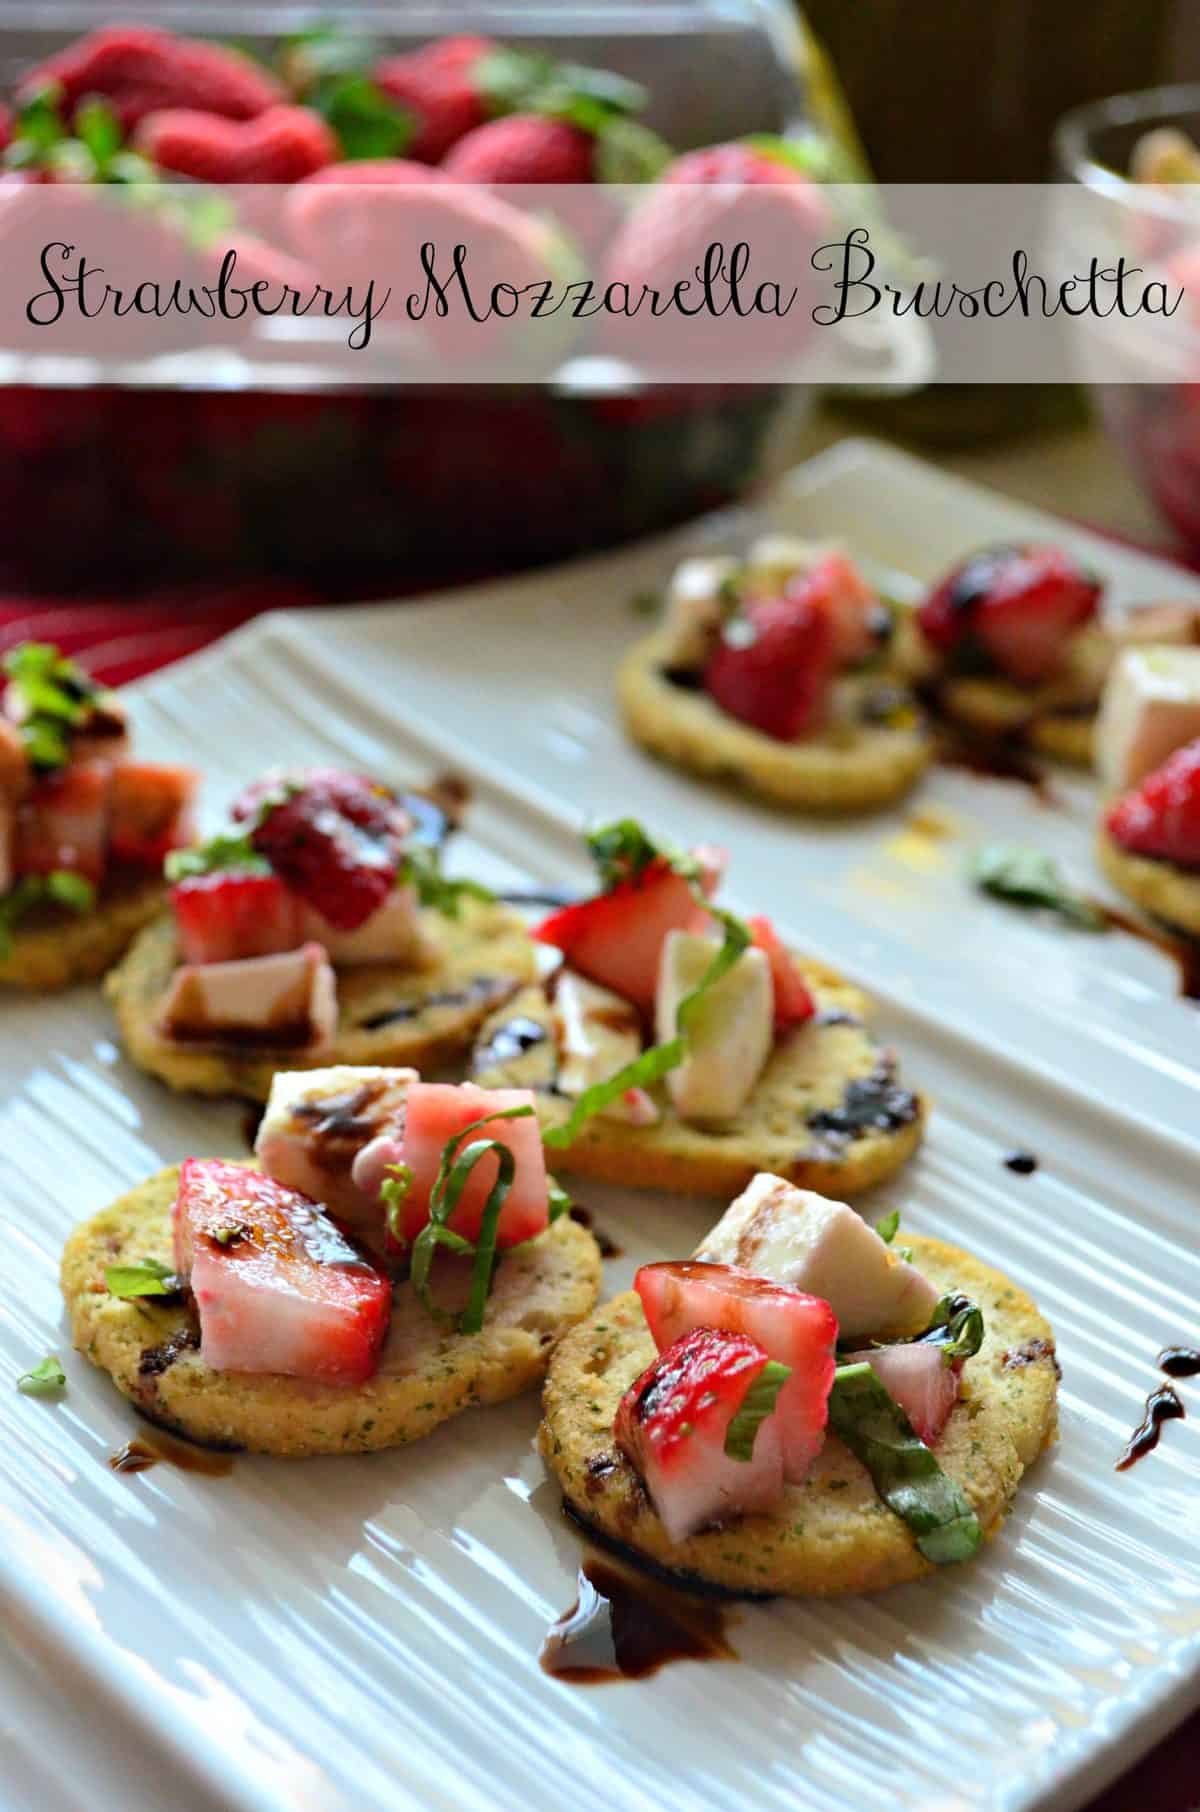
x: 678, y: 1047
x: 400, y: 1255
x: 83, y: 827
x: 772, y: 672
x: 1149, y: 841
x: 1010, y: 645
x: 320, y: 930
x: 801, y: 1407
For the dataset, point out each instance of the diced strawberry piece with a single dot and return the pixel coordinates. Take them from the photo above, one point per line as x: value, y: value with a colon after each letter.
x: 15, y: 773
x: 437, y: 85
x: 916, y: 1377
x: 233, y: 913
x: 1019, y: 607
x: 798, y: 1330
x: 616, y: 939
x: 277, y: 1287
x: 793, y: 1002
x: 836, y: 586
x: 335, y: 838
x: 773, y: 667
x: 150, y: 810
x: 62, y: 823
x: 140, y: 69
x: 283, y: 144
x: 434, y: 1113
x: 523, y: 147
x: 1161, y: 817
x: 672, y: 1423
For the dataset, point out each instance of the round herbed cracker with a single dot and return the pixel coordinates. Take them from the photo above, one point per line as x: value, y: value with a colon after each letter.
x: 426, y: 1374
x: 1160, y: 888
x: 54, y: 947
x: 832, y: 1534
x: 849, y: 767
x: 827, y: 1112
x: 421, y: 1017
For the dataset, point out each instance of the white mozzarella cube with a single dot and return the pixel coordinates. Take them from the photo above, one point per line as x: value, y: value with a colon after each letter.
x: 796, y: 1237
x: 730, y: 1037
x: 283, y: 1002
x: 315, y: 1125
x: 598, y: 1033
x: 696, y: 607
x: 392, y: 934
x: 1150, y: 707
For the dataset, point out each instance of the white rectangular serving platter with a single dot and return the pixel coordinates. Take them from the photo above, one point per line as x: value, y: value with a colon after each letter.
x: 364, y: 1632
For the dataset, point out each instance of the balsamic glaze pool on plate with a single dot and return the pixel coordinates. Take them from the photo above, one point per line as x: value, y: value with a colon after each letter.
x: 624, y: 1626
x: 144, y: 1451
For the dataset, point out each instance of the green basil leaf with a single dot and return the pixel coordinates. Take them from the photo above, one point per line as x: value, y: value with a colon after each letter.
x: 393, y: 1191
x: 1027, y: 877
x: 560, y: 1201
x: 67, y: 889
x: 453, y: 1171
x: 59, y: 888
x: 421, y: 869
x: 148, y: 1278
x: 888, y: 1227
x: 904, y: 1471
x: 757, y: 1405
x: 44, y: 1379
x: 956, y: 1325
x: 217, y: 854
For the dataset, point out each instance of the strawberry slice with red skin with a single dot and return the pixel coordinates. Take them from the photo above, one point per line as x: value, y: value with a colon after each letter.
x: 836, y: 586
x: 773, y: 667
x: 793, y: 1002
x: 277, y: 1286
x: 1017, y: 607
x: 234, y: 913
x: 150, y: 811
x: 672, y: 1423
x: 798, y: 1330
x: 433, y: 1113
x: 916, y: 1376
x: 616, y: 938
x: 1161, y: 817
x: 62, y: 823
x: 336, y: 839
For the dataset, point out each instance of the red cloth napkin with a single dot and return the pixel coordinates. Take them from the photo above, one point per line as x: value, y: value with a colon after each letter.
x: 118, y: 642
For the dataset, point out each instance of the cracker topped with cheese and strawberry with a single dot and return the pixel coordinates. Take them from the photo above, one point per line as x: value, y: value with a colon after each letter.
x: 802, y: 1407
x: 84, y: 827
x: 679, y: 1047
x: 320, y: 929
x: 1011, y: 645
x: 773, y: 673
x: 396, y: 1254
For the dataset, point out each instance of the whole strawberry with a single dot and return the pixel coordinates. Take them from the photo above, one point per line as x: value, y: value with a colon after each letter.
x: 440, y: 86
x: 723, y: 195
x: 1161, y: 817
x: 524, y: 147
x: 140, y: 69
x: 774, y: 665
x: 282, y: 144
x: 1014, y: 609
x: 333, y: 838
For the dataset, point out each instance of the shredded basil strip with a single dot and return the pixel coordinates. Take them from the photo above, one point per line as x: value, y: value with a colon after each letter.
x: 59, y: 888
x: 1028, y: 877
x: 903, y: 1470
x: 652, y: 1065
x: 421, y: 870
x: 149, y: 1278
x: 757, y: 1405
x: 393, y: 1192
x: 218, y: 854
x: 956, y: 1325
x: 888, y: 1227
x: 454, y: 1170
x: 560, y: 1201
x: 44, y: 1378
